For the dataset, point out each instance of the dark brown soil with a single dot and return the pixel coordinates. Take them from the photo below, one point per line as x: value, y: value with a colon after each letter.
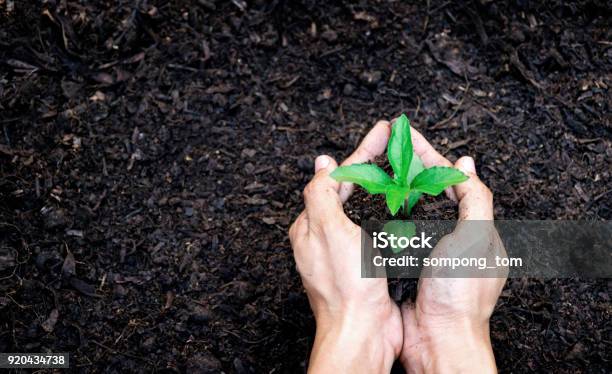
x: 153, y: 153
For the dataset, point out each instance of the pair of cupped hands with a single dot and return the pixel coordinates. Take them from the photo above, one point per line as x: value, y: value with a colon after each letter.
x: 359, y: 328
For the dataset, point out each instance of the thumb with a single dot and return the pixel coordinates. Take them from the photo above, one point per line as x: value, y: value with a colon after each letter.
x: 475, y: 199
x: 321, y: 198
x: 323, y: 162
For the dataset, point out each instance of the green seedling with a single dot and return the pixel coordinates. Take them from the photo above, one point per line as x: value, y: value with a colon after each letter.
x: 410, y: 179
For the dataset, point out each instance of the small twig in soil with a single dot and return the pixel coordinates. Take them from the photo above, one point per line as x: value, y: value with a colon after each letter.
x: 16, y: 303
x: 526, y: 73
x: 597, y: 198
x: 206, y: 50
x: 132, y: 213
x: 459, y: 143
x: 439, y: 7
x: 426, y: 18
x: 331, y: 52
x: 394, y: 92
x: 102, y: 197
x: 169, y: 301
x: 291, y: 129
x: 182, y: 67
x: 104, y: 168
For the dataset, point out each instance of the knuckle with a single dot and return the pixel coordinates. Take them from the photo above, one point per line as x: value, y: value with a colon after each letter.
x: 295, y: 227
x: 309, y: 189
x: 292, y: 230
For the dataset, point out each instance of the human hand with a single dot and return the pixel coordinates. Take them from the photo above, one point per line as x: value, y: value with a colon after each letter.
x: 447, y: 328
x: 359, y: 327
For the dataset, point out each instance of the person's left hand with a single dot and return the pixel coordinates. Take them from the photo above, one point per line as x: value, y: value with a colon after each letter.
x: 359, y: 327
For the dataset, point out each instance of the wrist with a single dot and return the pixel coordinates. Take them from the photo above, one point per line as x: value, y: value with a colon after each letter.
x: 354, y: 341
x: 464, y: 346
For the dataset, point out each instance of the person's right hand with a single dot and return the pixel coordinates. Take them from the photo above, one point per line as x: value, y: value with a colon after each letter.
x: 447, y: 328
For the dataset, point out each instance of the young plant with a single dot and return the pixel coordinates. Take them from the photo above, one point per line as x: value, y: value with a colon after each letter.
x: 410, y: 178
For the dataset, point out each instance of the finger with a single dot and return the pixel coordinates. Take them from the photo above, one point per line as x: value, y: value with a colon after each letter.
x: 475, y: 199
x: 430, y: 156
x: 323, y: 204
x: 372, y: 146
x: 426, y: 151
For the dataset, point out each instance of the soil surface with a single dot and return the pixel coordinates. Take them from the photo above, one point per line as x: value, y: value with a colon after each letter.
x: 153, y: 153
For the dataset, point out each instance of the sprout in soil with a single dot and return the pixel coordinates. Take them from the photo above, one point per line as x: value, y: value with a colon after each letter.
x: 410, y: 179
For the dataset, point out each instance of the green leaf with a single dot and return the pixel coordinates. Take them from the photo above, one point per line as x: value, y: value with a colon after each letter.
x: 395, y: 196
x: 368, y: 176
x: 413, y: 198
x: 416, y: 166
x: 434, y: 180
x: 400, y: 228
x: 399, y: 149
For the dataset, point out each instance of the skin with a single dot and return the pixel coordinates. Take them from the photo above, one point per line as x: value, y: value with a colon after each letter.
x: 360, y: 329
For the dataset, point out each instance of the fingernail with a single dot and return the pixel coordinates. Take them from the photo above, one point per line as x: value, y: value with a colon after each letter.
x: 321, y: 162
x: 467, y: 165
